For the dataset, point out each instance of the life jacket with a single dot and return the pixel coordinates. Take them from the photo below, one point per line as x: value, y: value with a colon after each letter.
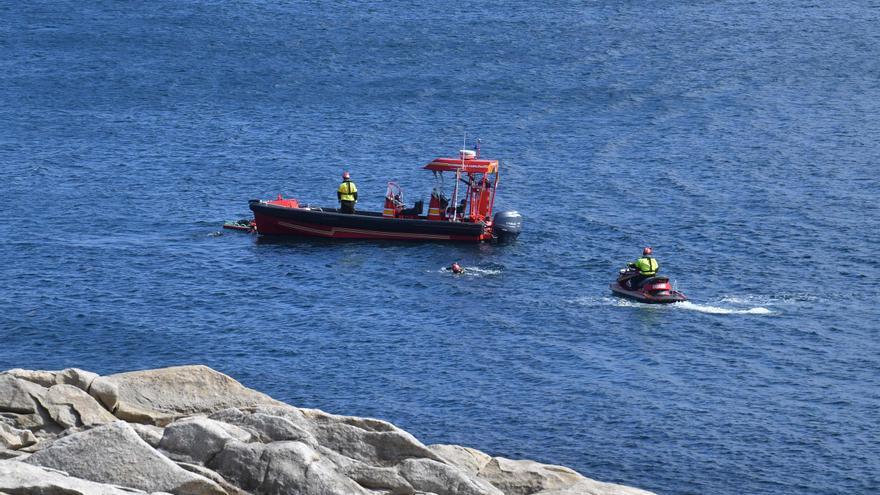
x: 347, y: 190
x: 647, y: 266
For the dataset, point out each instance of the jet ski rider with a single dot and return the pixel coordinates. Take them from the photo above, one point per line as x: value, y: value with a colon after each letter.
x: 647, y: 267
x: 347, y: 194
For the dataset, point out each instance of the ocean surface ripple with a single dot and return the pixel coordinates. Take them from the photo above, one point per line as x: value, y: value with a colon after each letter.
x: 738, y: 138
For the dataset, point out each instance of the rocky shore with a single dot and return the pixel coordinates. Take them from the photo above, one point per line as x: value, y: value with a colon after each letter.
x: 191, y: 430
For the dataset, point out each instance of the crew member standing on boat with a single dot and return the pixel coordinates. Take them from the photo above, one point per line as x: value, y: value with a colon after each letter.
x: 647, y: 266
x: 347, y: 194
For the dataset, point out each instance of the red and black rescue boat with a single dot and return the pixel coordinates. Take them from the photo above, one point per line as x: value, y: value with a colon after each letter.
x: 467, y: 217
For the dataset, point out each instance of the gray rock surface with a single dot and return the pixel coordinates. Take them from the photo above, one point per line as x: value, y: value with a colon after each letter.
x: 269, y: 423
x: 369, y: 440
x: 593, y: 487
x: 70, y: 406
x: 80, y: 379
x: 13, y: 438
x: 444, y: 479
x: 523, y: 477
x: 242, y: 462
x: 367, y: 476
x: 24, y: 409
x: 294, y: 467
x: 199, y: 438
x: 471, y: 460
x: 281, y: 468
x: 106, y: 392
x: 20, y: 478
x: 14, y: 397
x: 211, y: 475
x: 42, y: 378
x: 12, y: 454
x: 149, y: 433
x: 195, y: 431
x: 159, y: 396
x: 114, y: 453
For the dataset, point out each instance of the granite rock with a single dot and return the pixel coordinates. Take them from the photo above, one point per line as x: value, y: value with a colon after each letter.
x: 114, y: 453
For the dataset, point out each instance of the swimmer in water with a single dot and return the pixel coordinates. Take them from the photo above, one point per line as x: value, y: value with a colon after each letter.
x: 456, y: 268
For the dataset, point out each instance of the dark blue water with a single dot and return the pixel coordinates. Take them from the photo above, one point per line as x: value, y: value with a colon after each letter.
x: 739, y: 139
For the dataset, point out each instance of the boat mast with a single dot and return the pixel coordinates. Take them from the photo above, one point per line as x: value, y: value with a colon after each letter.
x: 472, y: 191
x: 458, y: 178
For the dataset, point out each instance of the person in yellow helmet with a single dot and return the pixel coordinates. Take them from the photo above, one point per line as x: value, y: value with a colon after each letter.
x: 347, y: 194
x: 647, y: 266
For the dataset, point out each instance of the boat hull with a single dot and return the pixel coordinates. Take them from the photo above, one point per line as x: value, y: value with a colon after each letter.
x: 642, y: 297
x: 330, y: 223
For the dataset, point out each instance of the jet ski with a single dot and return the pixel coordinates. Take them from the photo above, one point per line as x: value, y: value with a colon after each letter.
x: 655, y: 290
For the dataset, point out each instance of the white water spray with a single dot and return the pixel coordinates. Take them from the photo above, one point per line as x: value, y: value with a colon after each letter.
x: 717, y: 310
x: 474, y: 271
x: 686, y: 306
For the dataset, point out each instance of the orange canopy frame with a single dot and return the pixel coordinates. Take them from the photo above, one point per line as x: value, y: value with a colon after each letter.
x: 473, y: 166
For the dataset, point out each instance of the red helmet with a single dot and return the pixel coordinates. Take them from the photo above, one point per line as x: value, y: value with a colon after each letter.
x: 346, y: 175
x: 456, y: 268
x: 647, y: 251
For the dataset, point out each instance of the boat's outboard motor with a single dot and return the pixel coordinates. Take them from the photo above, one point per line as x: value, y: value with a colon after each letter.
x: 507, y: 225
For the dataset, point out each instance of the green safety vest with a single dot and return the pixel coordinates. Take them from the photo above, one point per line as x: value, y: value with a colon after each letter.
x: 647, y: 266
x: 347, y: 190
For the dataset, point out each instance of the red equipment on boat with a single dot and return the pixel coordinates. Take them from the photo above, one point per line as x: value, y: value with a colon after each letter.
x: 393, y: 203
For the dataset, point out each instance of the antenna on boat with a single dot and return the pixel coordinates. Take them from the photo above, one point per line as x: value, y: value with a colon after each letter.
x: 463, y: 151
x: 463, y: 148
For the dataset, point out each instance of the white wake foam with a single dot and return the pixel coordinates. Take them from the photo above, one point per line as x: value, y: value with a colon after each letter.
x: 717, y: 310
x: 482, y: 271
x: 788, y: 299
x: 596, y: 301
x: 686, y: 305
x: 473, y: 271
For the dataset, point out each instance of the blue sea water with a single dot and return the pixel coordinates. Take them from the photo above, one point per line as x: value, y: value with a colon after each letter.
x: 740, y: 139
